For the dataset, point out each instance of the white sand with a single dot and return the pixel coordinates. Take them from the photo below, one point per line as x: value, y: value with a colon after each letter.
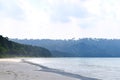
x: 14, y: 69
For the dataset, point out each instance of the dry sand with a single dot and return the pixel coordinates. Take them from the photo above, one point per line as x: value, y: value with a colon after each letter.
x: 14, y: 69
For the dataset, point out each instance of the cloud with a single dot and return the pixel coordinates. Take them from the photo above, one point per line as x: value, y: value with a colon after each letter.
x: 65, y: 9
x: 11, y: 9
x: 59, y: 19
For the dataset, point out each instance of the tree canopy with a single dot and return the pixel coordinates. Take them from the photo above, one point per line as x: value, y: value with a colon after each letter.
x: 13, y: 49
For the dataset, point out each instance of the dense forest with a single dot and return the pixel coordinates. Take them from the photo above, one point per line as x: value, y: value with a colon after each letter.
x: 86, y: 47
x: 13, y: 49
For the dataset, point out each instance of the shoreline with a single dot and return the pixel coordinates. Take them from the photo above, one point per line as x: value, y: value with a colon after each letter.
x: 20, y: 69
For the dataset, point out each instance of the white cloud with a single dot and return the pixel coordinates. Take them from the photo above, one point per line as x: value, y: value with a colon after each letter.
x: 92, y: 18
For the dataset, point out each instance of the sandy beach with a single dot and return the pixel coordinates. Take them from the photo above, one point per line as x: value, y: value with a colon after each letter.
x: 14, y: 69
x: 17, y: 69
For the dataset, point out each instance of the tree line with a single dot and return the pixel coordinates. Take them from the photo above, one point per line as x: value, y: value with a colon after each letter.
x: 12, y: 49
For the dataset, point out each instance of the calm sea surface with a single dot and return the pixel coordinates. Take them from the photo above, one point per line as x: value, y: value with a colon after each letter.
x: 101, y: 68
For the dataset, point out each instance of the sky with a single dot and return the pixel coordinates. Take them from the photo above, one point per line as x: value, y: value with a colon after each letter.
x: 60, y: 19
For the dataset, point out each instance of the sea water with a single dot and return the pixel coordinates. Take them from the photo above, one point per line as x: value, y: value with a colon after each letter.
x: 100, y: 68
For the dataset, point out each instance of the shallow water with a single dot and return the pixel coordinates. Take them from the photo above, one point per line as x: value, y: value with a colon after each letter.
x: 100, y: 68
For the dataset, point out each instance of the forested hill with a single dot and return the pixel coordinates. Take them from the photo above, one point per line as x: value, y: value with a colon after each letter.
x: 13, y: 49
x: 87, y: 47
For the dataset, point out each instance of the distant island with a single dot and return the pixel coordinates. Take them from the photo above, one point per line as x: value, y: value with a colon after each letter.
x: 87, y: 47
x: 12, y: 49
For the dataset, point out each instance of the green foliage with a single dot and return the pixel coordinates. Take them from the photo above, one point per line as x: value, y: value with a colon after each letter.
x: 12, y: 49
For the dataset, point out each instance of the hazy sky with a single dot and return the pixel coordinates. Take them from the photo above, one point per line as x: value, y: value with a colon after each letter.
x: 60, y: 19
